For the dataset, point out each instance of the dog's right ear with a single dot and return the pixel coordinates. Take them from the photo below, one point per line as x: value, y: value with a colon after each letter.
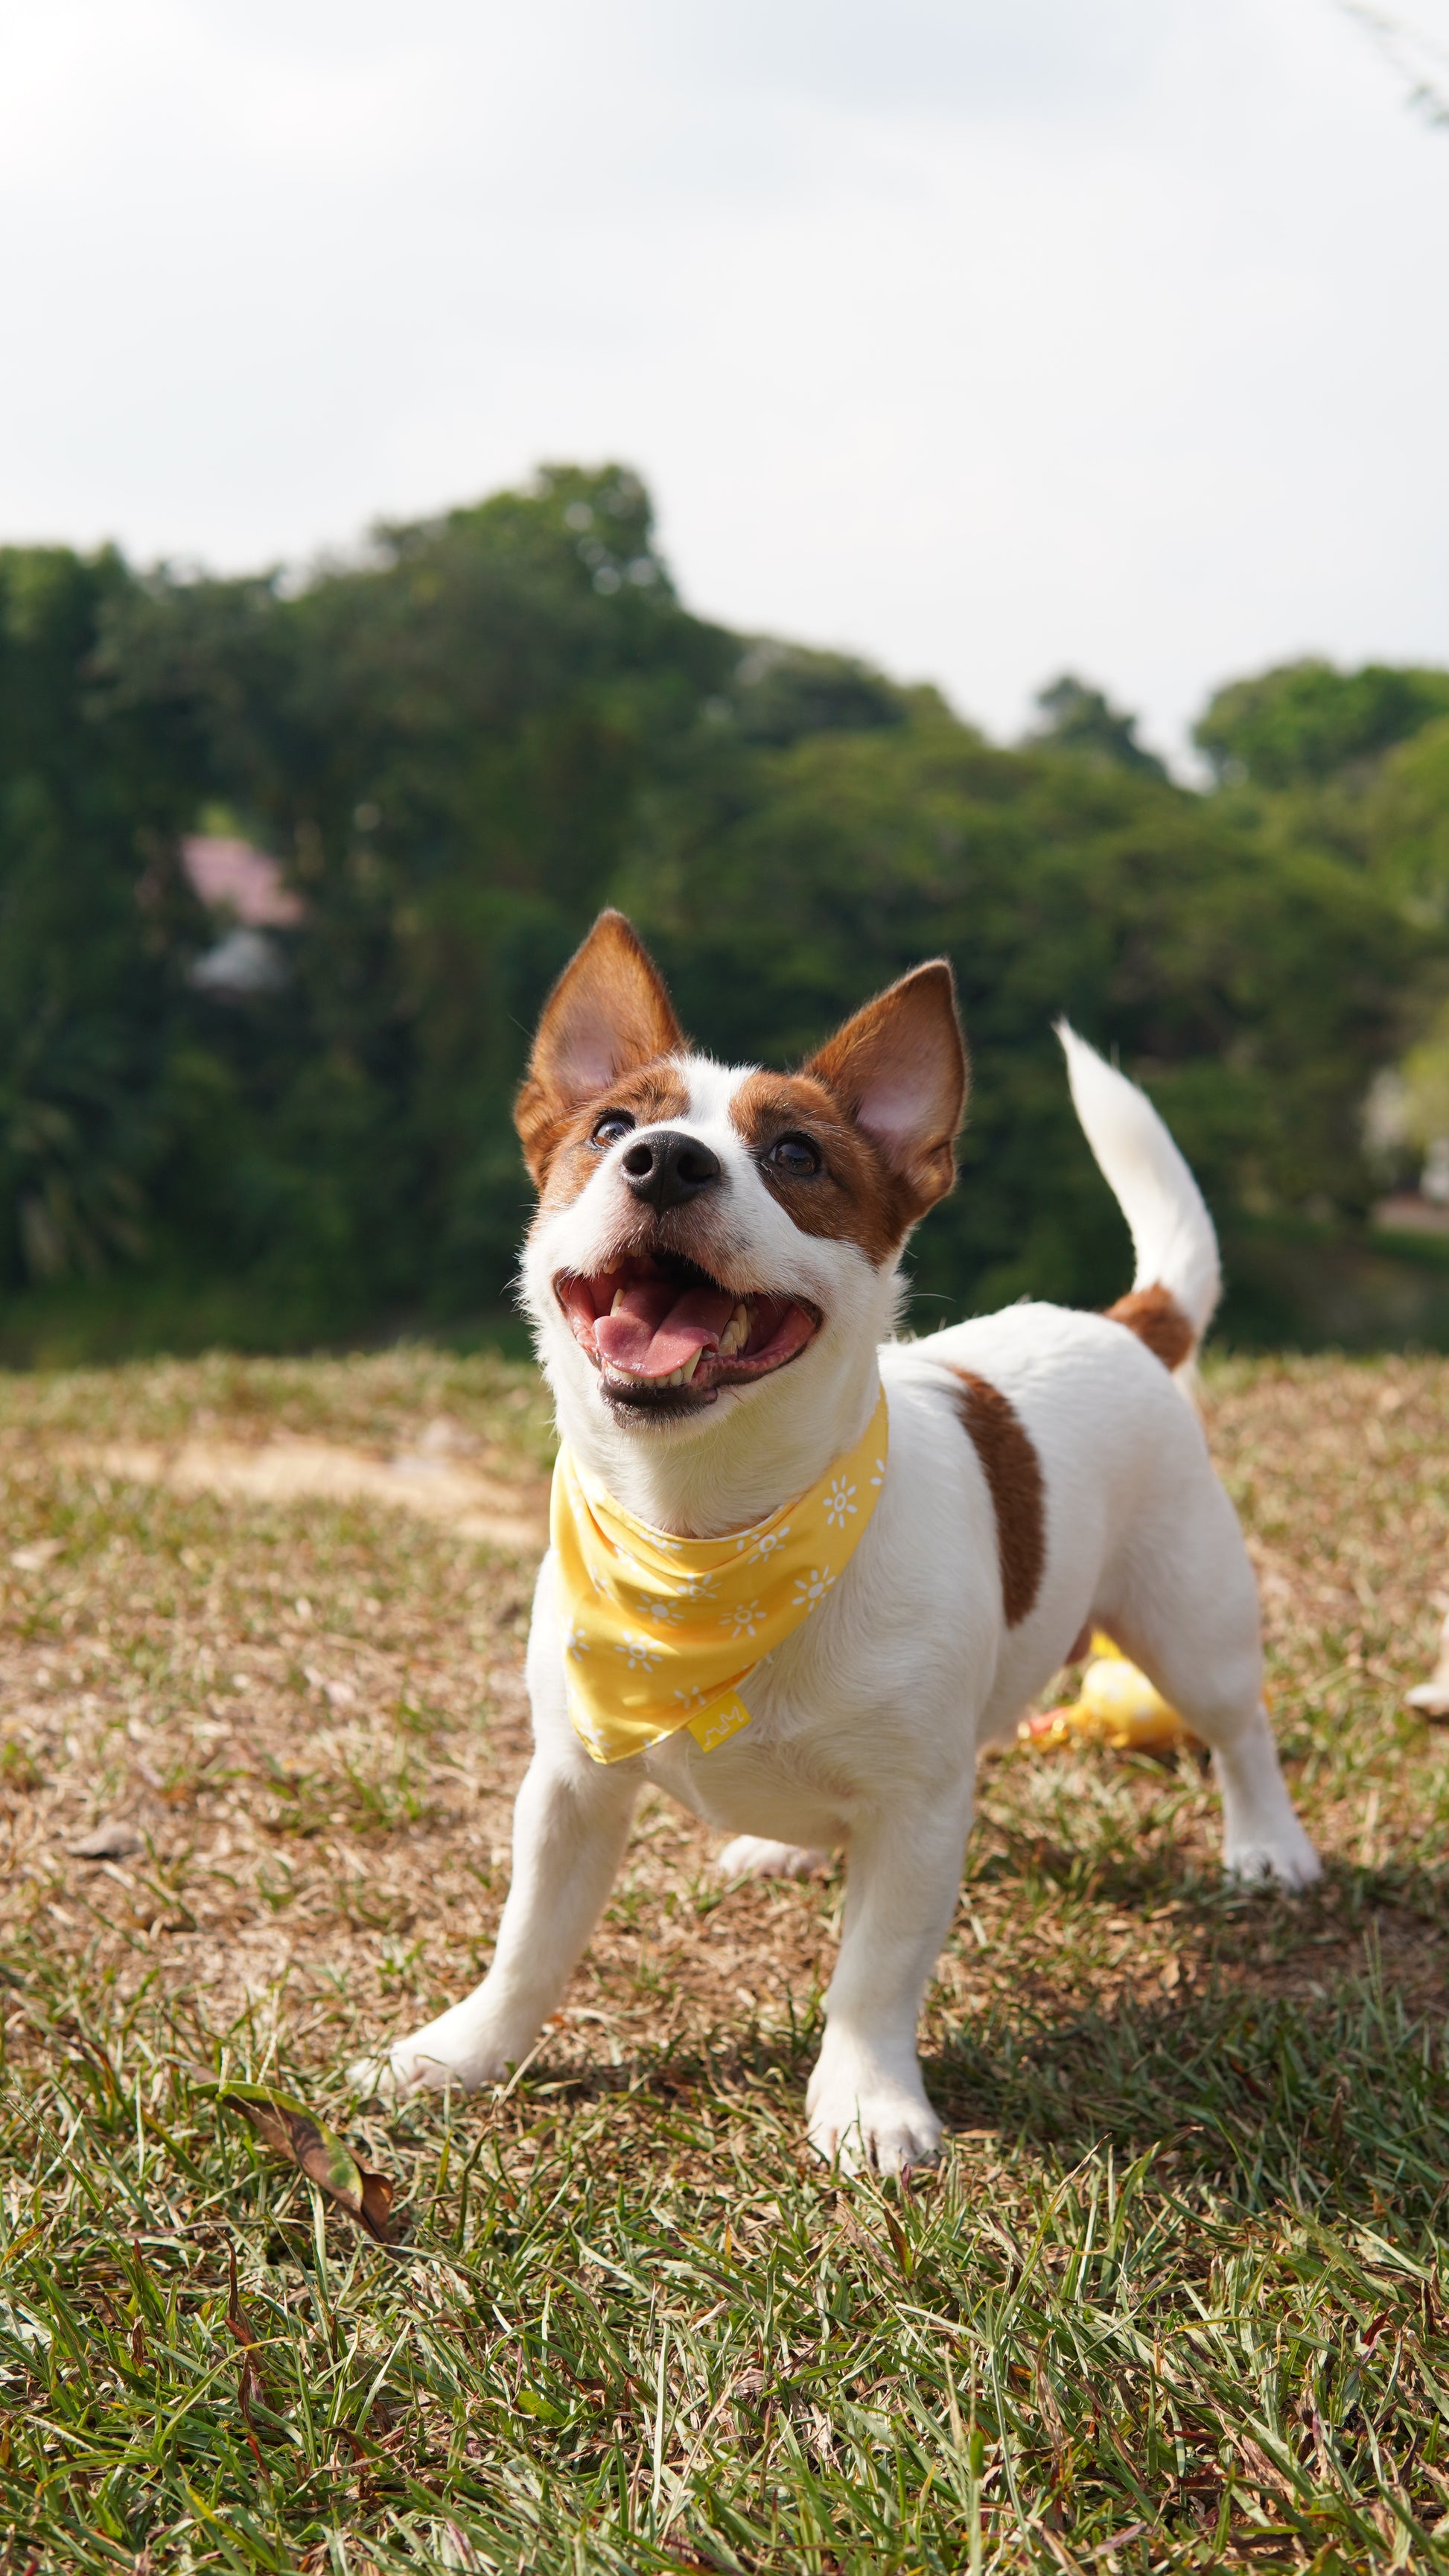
x: 607, y: 1015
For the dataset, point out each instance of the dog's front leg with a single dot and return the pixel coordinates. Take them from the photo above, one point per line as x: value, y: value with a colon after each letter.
x: 570, y: 1824
x: 866, y: 2103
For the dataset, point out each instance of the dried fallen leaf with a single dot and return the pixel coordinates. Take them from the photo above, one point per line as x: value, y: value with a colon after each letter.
x: 236, y: 2315
x: 288, y: 2126
x: 900, y: 2242
x: 112, y: 1840
x: 252, y: 2388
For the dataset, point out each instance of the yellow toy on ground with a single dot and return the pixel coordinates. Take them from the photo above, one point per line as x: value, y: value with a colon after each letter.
x: 1115, y: 1705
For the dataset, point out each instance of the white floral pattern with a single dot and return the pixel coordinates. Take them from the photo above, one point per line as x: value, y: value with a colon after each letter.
x: 699, y: 1587
x: 812, y: 1587
x: 765, y: 1546
x: 666, y: 1614
x: 744, y: 1619
x: 641, y: 1653
x: 840, y: 1503
x: 575, y: 1641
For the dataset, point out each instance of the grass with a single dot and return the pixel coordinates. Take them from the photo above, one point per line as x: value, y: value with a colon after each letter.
x: 1177, y: 2298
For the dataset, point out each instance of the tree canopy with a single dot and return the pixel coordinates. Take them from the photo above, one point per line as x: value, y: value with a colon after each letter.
x: 465, y: 740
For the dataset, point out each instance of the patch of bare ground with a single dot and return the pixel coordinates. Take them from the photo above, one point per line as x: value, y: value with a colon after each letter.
x: 426, y: 1480
x: 305, y: 1698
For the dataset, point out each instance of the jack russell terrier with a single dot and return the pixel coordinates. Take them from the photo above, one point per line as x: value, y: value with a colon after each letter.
x: 801, y: 1572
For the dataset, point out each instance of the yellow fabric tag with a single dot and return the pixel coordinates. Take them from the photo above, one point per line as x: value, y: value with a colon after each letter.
x: 662, y: 1632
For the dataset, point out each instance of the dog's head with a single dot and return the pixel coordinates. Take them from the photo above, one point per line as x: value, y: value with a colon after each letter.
x: 703, y: 1231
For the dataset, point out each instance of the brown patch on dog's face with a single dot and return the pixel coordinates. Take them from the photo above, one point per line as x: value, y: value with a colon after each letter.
x: 655, y: 1093
x: 1156, y: 1318
x: 823, y: 1170
x: 607, y: 1018
x: 1018, y: 1496
x: 898, y: 1070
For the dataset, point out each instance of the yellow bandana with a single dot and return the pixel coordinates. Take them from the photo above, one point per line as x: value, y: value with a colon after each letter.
x: 662, y: 1632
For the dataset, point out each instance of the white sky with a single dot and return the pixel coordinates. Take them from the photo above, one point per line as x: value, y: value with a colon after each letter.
x: 986, y: 337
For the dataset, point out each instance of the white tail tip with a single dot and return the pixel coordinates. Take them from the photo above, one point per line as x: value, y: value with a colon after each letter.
x: 1172, y: 1232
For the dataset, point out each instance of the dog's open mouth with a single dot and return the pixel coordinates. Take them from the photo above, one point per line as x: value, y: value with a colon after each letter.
x: 662, y: 1332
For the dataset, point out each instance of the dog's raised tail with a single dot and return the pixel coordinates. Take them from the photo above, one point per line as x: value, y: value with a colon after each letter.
x: 1178, y: 1275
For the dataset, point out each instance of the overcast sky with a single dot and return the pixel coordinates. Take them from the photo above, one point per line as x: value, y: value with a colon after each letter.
x: 986, y: 337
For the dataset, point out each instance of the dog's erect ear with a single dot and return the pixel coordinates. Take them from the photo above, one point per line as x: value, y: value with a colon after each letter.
x: 899, y: 1069
x: 608, y: 1014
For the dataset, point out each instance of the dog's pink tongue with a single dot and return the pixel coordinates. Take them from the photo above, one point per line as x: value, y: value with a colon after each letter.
x: 657, y: 1329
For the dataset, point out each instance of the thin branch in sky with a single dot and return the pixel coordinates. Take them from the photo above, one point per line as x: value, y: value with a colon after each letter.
x: 1417, y: 57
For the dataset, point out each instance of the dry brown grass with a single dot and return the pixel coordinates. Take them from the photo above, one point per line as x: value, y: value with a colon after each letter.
x: 312, y: 1713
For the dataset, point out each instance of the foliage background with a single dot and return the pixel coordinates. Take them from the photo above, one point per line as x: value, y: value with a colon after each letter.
x: 464, y: 741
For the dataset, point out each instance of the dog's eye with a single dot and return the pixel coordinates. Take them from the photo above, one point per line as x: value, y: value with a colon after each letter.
x: 614, y: 1124
x: 795, y: 1156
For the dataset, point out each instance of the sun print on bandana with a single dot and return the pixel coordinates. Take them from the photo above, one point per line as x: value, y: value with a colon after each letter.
x: 812, y: 1587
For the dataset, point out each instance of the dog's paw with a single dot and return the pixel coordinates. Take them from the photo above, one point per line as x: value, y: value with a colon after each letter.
x: 749, y: 1856
x: 440, y: 2055
x: 886, y: 2127
x: 1285, y: 1858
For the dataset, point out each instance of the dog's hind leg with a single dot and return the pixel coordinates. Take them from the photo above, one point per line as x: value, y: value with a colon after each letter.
x: 1185, y: 1607
x: 570, y: 1824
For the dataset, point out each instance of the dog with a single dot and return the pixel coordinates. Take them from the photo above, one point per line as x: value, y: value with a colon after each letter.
x: 713, y: 1278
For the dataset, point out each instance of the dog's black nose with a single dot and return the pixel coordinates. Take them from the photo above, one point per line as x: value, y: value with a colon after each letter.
x: 667, y: 1168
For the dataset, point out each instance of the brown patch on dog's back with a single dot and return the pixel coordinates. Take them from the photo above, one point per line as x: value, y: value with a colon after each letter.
x: 854, y: 1197
x: 1156, y: 1318
x: 1014, y: 1480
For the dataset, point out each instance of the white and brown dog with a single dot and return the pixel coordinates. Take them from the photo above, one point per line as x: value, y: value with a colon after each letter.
x: 1045, y: 1476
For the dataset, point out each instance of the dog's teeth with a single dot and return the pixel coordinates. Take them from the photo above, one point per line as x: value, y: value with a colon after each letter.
x: 618, y: 1301
x: 683, y: 1376
x: 736, y: 1333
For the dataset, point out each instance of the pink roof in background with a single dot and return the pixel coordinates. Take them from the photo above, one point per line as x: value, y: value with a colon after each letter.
x: 231, y: 875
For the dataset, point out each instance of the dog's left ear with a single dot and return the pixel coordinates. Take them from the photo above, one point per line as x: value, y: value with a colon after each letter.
x: 608, y: 1014
x: 899, y: 1070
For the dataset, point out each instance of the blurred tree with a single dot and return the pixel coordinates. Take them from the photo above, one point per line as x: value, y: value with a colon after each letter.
x: 88, y: 987
x: 490, y: 723
x: 448, y: 741
x: 1079, y: 719
x: 1305, y: 721
x: 1254, y: 994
